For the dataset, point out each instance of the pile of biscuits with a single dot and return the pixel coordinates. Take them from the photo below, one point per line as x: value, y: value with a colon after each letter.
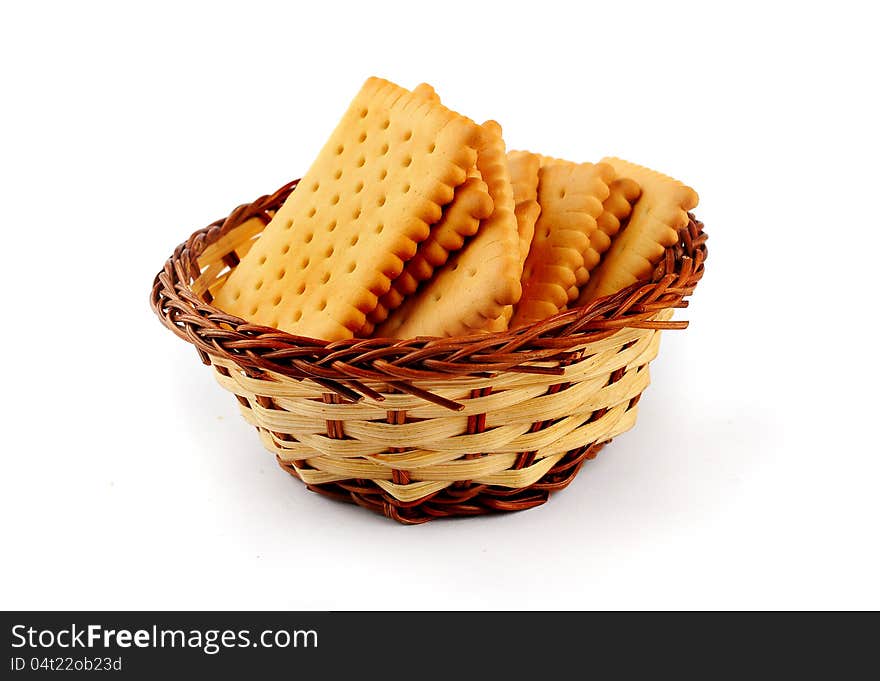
x: 416, y: 221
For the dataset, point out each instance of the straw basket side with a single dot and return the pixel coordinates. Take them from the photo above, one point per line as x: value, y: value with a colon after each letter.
x: 424, y: 428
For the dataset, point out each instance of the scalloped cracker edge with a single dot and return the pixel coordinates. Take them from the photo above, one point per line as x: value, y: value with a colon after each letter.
x: 616, y: 209
x: 656, y: 218
x: 356, y: 216
x: 571, y: 197
x: 469, y: 293
x: 461, y: 219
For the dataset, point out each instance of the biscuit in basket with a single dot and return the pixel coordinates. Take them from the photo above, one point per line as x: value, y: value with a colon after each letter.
x: 461, y: 219
x: 470, y: 292
x: 571, y: 196
x: 358, y: 214
x: 523, y: 166
x: 653, y: 225
x: 623, y: 193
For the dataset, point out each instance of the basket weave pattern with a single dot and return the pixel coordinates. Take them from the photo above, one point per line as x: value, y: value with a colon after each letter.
x: 424, y: 428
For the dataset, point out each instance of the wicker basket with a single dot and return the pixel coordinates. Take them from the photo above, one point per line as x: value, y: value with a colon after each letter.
x: 425, y: 428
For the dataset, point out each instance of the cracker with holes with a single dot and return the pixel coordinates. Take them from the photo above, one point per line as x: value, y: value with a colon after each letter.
x: 469, y: 293
x: 461, y: 218
x: 357, y: 215
x: 623, y: 193
x: 571, y: 196
x: 660, y: 212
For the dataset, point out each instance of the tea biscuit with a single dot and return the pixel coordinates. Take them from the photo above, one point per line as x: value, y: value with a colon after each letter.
x: 623, y: 193
x: 356, y: 216
x: 571, y: 196
x: 460, y: 220
x: 653, y: 225
x: 470, y: 292
x: 523, y: 167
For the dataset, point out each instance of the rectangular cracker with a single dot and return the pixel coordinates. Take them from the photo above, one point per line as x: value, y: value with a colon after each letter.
x: 470, y: 292
x: 461, y: 219
x: 623, y: 193
x: 571, y: 196
x: 659, y: 213
x: 357, y: 215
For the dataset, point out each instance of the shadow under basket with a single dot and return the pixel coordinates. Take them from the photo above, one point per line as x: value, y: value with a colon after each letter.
x: 424, y: 428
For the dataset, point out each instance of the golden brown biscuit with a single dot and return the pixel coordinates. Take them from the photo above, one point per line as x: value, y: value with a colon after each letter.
x: 571, y: 197
x: 469, y: 293
x: 358, y: 214
x: 658, y: 215
x: 616, y: 209
x: 461, y: 219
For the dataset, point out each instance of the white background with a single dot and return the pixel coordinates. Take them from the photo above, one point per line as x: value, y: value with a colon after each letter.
x: 129, y: 479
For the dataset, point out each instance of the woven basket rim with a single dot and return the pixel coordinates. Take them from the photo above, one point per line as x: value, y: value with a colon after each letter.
x: 343, y: 366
